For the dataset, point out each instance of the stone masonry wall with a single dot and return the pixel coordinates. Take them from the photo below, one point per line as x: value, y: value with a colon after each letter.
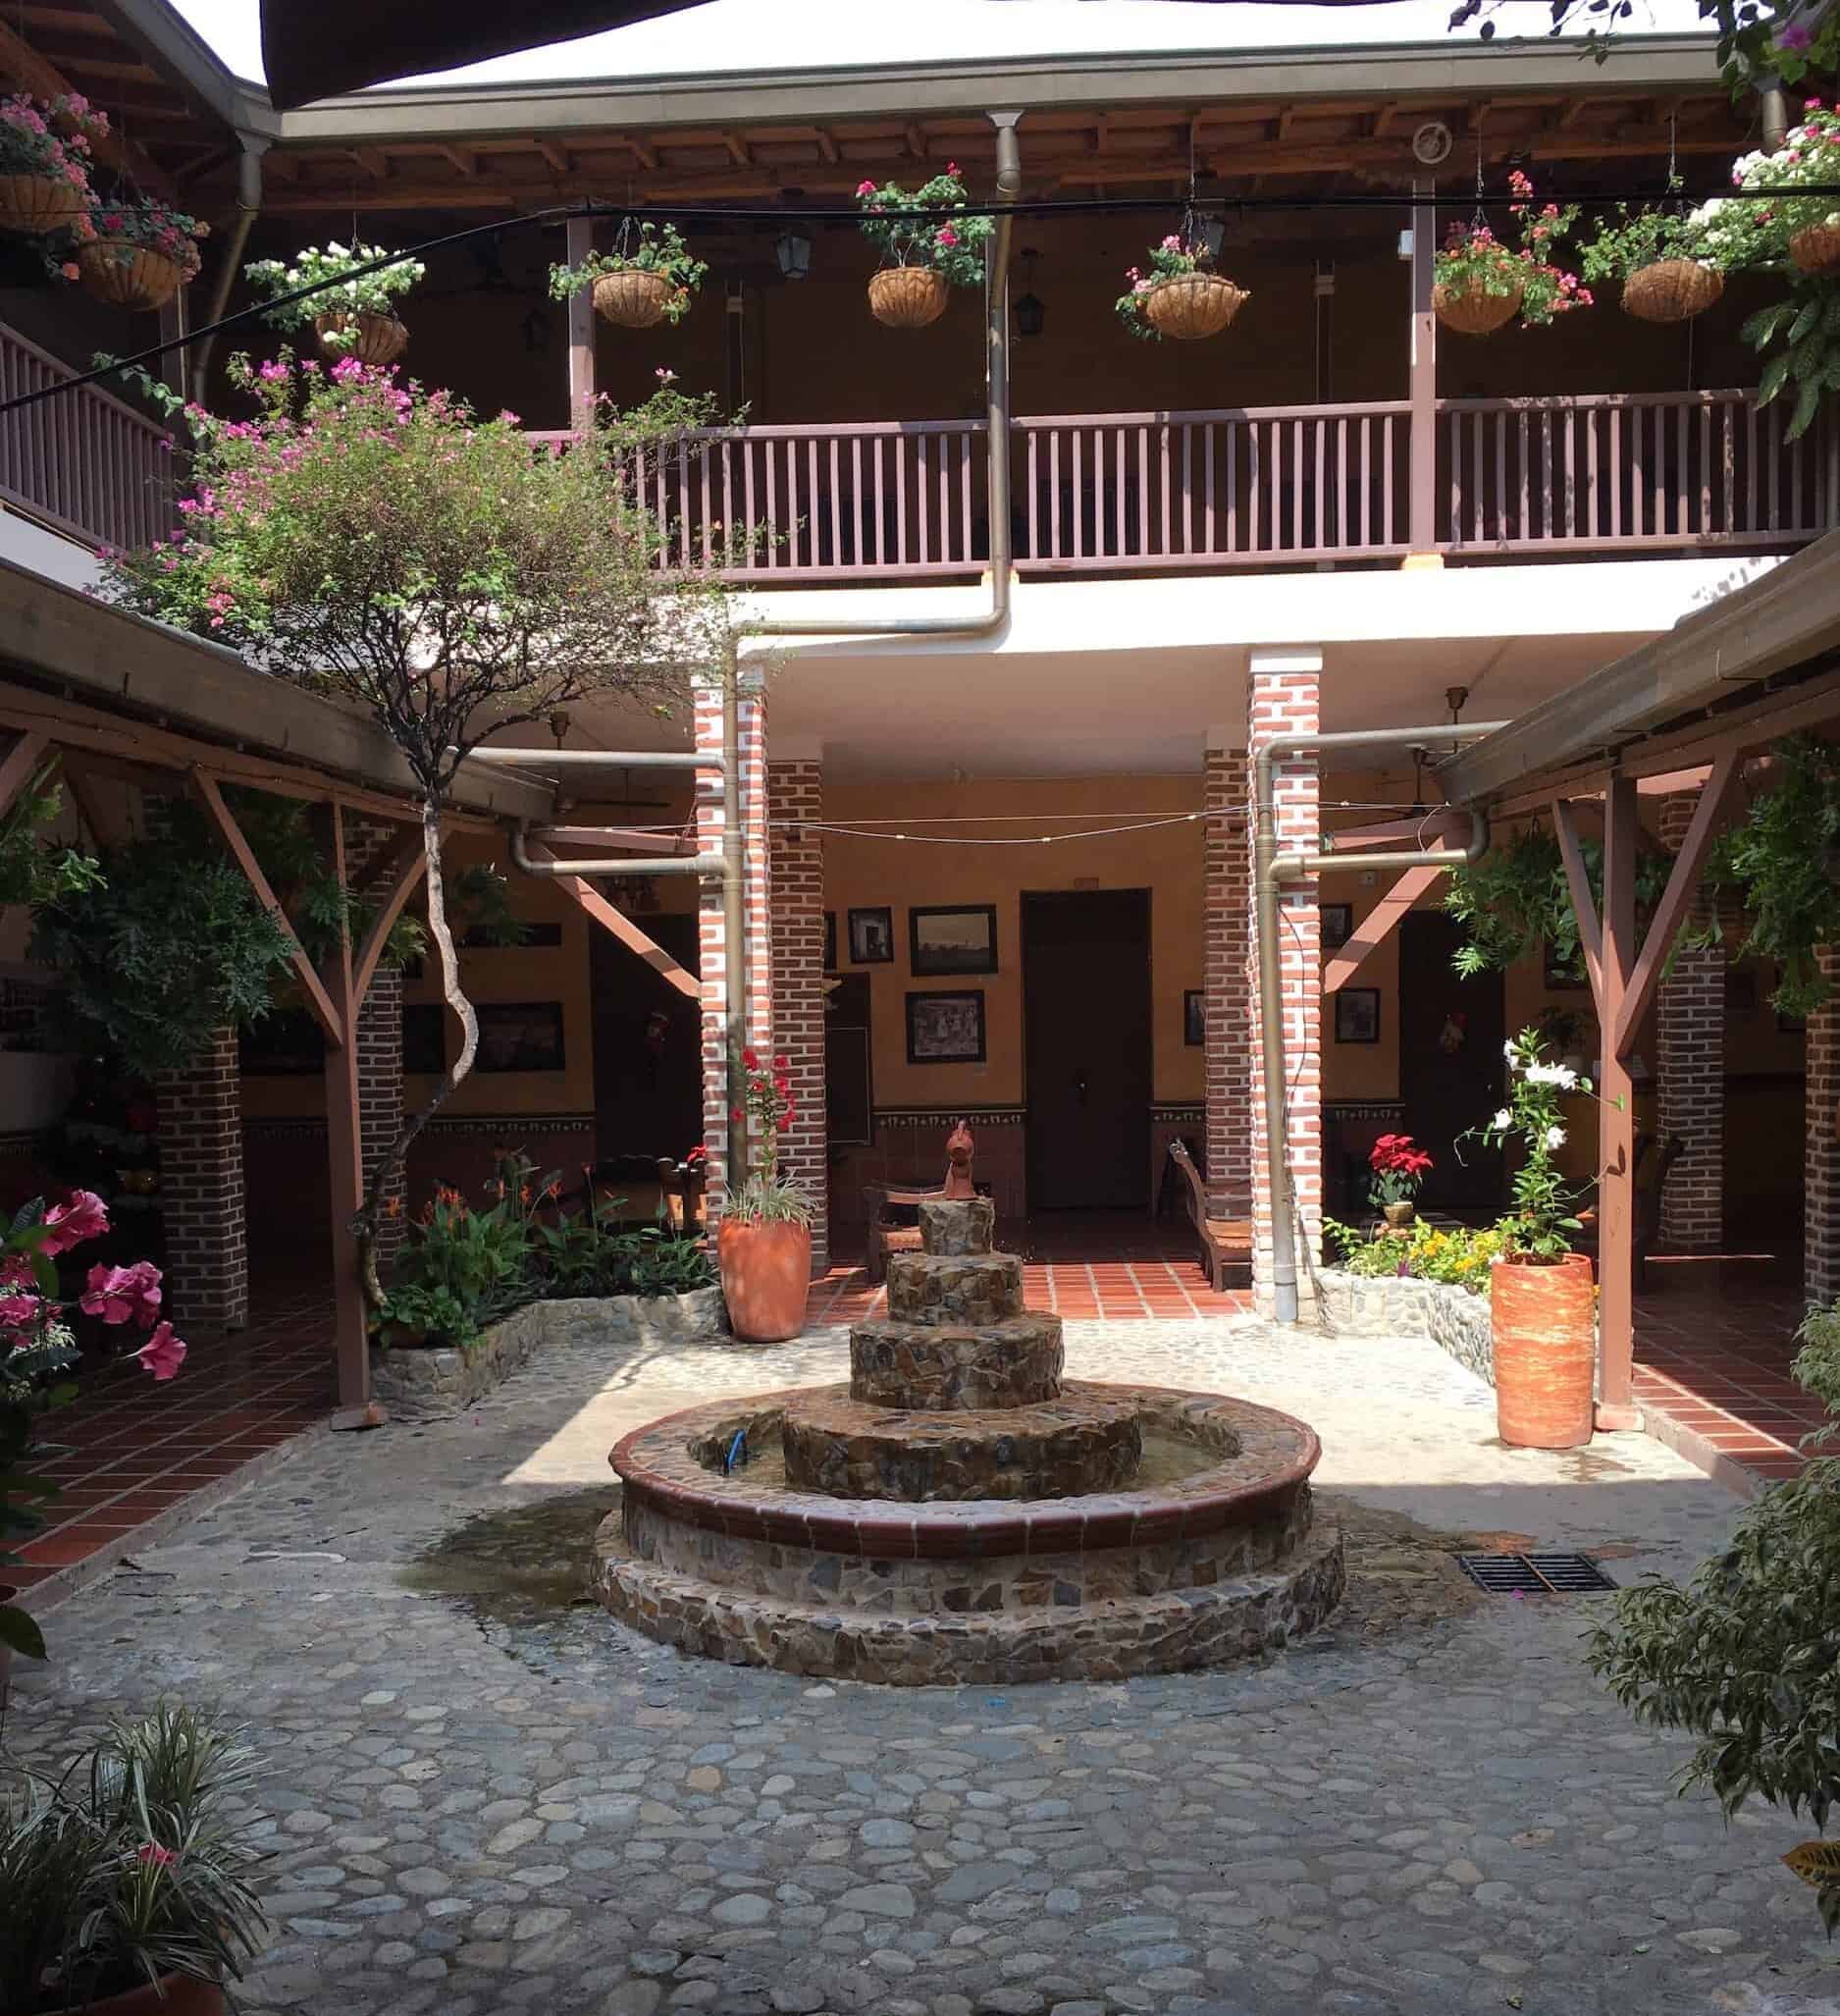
x: 1227, y: 1056
x: 796, y: 857
x: 1690, y: 1024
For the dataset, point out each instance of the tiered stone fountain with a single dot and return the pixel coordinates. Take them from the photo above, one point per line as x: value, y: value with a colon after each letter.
x: 959, y: 1512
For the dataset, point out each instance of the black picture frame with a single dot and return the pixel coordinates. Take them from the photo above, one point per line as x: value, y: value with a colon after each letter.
x: 1195, y: 1016
x: 830, y: 942
x: 968, y: 944
x: 1357, y: 1015
x: 946, y: 1028
x: 871, y: 935
x: 520, y: 1035
x: 1337, y: 925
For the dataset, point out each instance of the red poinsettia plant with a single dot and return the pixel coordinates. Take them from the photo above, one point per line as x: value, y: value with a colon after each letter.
x: 1399, y: 1167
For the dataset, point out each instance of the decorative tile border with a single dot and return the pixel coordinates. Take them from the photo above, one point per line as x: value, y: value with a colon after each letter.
x: 944, y: 1115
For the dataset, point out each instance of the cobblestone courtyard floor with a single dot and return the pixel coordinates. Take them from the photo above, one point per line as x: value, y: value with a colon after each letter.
x: 484, y: 1795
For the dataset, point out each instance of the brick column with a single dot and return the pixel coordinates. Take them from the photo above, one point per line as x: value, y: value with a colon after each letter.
x: 755, y: 870
x: 201, y: 1195
x: 1228, y: 1058
x: 795, y: 791
x: 1689, y: 1042
x: 1284, y: 696
x: 380, y: 1098
x: 1820, y: 1208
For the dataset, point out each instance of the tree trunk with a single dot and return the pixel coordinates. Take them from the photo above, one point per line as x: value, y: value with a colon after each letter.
x: 364, y: 1225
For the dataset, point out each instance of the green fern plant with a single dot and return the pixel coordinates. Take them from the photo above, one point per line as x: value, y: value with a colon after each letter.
x: 1804, y: 332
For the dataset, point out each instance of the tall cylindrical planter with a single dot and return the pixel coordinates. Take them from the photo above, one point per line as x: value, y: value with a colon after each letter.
x: 178, y: 1995
x: 767, y: 1271
x: 1543, y: 1318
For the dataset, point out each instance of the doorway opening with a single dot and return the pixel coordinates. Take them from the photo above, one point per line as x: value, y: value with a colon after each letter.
x: 1087, y: 1048
x: 1451, y: 1068
x: 648, y: 1045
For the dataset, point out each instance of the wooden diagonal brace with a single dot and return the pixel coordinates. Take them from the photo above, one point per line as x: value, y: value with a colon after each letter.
x: 401, y: 877
x: 21, y: 765
x: 1378, y: 925
x: 623, y: 928
x: 1583, y: 904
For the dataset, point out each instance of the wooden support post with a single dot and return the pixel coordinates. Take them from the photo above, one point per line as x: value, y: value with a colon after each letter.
x: 1377, y: 926
x: 581, y: 374
x: 1616, y: 1120
x: 345, y: 1158
x: 1421, y: 536
x: 1583, y: 904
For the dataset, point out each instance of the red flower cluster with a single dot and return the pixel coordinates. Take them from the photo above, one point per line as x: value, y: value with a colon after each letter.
x: 1394, y: 1154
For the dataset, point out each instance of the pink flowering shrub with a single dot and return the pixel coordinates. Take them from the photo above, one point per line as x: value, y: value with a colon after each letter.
x: 951, y: 245
x: 1168, y: 261
x: 156, y: 225
x: 1472, y: 256
x: 51, y: 137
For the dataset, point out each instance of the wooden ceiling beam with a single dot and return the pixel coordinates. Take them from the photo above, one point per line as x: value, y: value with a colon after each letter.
x: 738, y: 153
x: 38, y: 75
x: 826, y: 145
x: 645, y: 156
x: 466, y: 163
x: 557, y: 157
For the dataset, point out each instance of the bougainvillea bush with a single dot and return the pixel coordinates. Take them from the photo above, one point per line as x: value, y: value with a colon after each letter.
x: 952, y: 245
x: 38, y: 1345
x: 1472, y: 255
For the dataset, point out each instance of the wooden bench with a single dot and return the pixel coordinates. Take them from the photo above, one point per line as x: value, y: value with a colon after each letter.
x: 1226, y: 1242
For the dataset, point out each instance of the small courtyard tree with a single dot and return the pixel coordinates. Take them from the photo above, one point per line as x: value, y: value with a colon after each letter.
x: 377, y: 541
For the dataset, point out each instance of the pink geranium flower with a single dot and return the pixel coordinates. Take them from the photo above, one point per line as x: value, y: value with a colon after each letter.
x: 85, y: 1217
x: 122, y: 1294
x: 163, y: 1354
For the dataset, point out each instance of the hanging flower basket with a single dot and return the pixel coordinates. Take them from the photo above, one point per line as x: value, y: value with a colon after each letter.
x: 37, y: 205
x: 127, y: 275
x: 1471, y: 310
x: 907, y: 296
x: 1672, y: 290
x: 632, y: 298
x: 369, y: 336
x: 1816, y: 251
x: 1192, y: 305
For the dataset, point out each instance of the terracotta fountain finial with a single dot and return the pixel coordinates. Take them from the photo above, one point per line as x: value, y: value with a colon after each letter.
x: 958, y: 1183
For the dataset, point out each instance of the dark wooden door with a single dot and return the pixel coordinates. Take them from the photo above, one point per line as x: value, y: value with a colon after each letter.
x: 1451, y: 1075
x: 648, y: 1068
x: 1086, y: 1038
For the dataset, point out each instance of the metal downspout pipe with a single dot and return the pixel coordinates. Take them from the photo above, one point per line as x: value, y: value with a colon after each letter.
x: 249, y: 207
x: 1270, y: 869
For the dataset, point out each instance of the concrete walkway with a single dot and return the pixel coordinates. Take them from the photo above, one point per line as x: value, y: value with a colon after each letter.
x: 484, y: 1796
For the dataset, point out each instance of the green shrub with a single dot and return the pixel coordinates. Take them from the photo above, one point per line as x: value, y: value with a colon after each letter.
x: 1457, y: 1255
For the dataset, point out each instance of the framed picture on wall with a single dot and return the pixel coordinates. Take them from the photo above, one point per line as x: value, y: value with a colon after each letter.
x: 1195, y: 1016
x: 1337, y: 925
x: 946, y: 1028
x: 1357, y: 1015
x: 872, y: 936
x: 958, y: 940
x: 520, y: 1035
x: 830, y: 942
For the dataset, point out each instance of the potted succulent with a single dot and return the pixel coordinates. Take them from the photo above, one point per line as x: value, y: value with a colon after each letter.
x: 44, y: 162
x: 1398, y: 1169
x: 138, y: 255
x: 648, y: 278
x: 763, y: 1244
x: 921, y: 256
x: 1660, y: 256
x: 1541, y: 1297
x: 356, y: 316
x: 125, y: 1876
x: 1482, y: 282
x: 1178, y: 297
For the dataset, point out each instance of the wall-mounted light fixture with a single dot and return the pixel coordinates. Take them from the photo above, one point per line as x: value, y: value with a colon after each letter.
x: 1030, y: 313
x: 794, y: 254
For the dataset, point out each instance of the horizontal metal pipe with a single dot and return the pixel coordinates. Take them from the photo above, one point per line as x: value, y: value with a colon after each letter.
x: 602, y: 758
x: 644, y: 864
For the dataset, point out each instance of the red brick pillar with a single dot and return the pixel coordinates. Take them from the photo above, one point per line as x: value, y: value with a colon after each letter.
x: 1820, y: 1207
x: 1228, y: 1058
x: 1690, y: 1042
x: 796, y: 855
x: 1284, y: 696
x: 201, y: 1195
x: 714, y: 973
x: 380, y: 1098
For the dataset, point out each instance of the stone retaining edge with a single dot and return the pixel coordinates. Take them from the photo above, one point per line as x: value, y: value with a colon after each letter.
x: 1388, y: 1305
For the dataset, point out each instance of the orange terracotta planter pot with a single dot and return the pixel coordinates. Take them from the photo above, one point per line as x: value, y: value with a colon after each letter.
x: 766, y: 1272
x: 178, y: 1994
x: 1543, y: 1324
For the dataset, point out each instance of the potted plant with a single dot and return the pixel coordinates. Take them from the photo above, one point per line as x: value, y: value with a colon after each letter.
x: 138, y: 255
x: 921, y: 256
x: 126, y: 1875
x: 648, y: 278
x: 1807, y: 227
x: 763, y: 1244
x: 1482, y: 282
x: 1177, y: 297
x: 44, y: 162
x: 356, y: 316
x: 1541, y: 1297
x: 1398, y: 1169
x: 1660, y: 256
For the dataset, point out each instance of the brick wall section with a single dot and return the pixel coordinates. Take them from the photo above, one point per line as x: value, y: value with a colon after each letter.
x: 1822, y: 1154
x: 380, y: 1098
x: 1690, y: 1043
x: 1227, y: 1056
x: 713, y: 967
x: 796, y: 862
x: 1283, y: 695
x: 201, y: 1190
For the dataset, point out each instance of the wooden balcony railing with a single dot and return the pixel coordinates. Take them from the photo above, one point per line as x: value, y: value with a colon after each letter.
x: 84, y: 462
x: 1240, y: 487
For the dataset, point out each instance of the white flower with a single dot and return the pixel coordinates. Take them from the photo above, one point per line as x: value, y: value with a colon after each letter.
x: 1560, y: 1075
x: 1509, y: 1051
x: 1503, y: 1120
x: 1555, y: 1137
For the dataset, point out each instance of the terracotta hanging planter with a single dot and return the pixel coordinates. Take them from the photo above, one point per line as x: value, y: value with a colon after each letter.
x: 1816, y: 251
x: 39, y: 204
x: 1672, y: 289
x: 766, y: 1270
x: 1471, y: 310
x: 378, y: 339
x: 632, y: 298
x: 907, y: 296
x: 1543, y: 1320
x: 127, y: 275
x: 1190, y: 305
x: 178, y: 1995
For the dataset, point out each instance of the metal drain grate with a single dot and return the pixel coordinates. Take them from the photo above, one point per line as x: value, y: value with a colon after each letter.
x: 1534, y: 1574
